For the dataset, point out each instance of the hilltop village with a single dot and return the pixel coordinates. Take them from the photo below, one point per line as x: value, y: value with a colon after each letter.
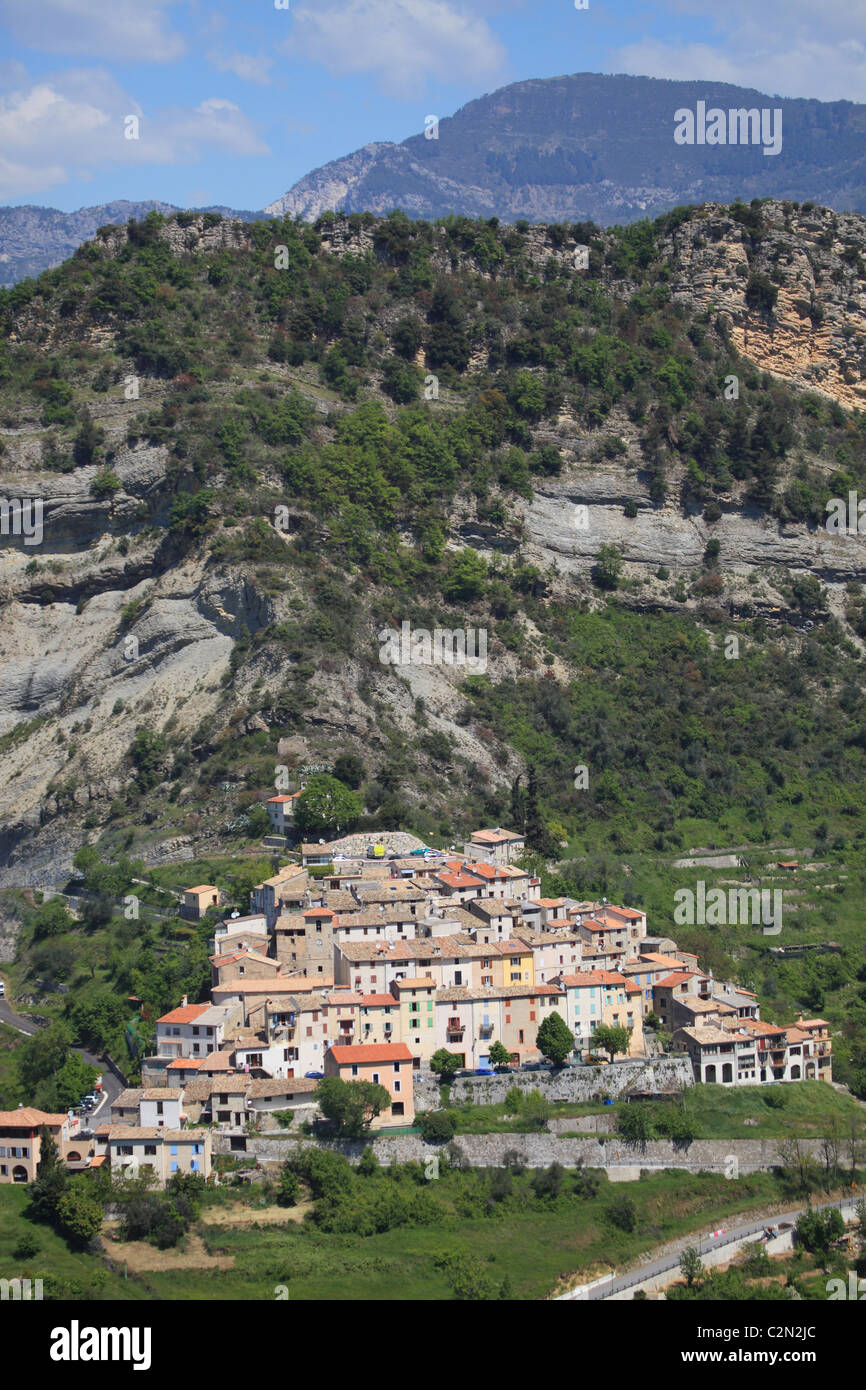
x: 364, y: 960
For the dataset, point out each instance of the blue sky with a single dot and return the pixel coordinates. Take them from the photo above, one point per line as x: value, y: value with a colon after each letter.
x: 236, y: 101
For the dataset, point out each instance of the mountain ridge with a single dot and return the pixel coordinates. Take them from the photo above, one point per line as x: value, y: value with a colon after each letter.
x: 591, y: 146
x: 35, y: 238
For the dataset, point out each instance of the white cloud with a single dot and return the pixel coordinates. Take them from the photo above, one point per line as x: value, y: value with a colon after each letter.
x: 135, y: 29
x: 244, y: 65
x: 72, y: 123
x: 402, y: 43
x: 790, y: 48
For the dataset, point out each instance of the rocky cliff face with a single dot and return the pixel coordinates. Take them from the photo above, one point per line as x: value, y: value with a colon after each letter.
x: 33, y: 239
x: 107, y: 631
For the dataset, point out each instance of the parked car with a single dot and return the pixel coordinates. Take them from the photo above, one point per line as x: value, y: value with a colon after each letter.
x: 314, y: 1075
x: 2, y: 989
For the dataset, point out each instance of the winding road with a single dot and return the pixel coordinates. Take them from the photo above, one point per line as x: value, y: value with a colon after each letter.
x: 704, y: 1244
x: 111, y: 1087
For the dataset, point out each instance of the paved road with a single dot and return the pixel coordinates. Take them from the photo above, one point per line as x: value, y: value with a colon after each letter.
x: 732, y: 1234
x: 111, y: 1087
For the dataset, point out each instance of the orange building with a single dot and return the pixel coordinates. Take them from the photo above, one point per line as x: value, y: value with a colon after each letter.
x: 386, y: 1064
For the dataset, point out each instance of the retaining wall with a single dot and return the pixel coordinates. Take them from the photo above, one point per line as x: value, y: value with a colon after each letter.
x: 574, y: 1083
x: 732, y: 1157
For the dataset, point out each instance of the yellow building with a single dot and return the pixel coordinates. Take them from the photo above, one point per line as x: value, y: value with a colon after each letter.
x: 416, y: 997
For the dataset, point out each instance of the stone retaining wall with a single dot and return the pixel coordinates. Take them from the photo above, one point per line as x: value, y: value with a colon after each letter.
x: 575, y: 1083
x: 730, y: 1156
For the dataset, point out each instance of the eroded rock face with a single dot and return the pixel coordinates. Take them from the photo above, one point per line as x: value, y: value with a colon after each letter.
x: 112, y: 631
x: 815, y: 335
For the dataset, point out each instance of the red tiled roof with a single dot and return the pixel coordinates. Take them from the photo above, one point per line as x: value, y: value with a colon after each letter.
x: 188, y: 1014
x: 371, y: 1052
x: 29, y: 1118
x: 463, y: 880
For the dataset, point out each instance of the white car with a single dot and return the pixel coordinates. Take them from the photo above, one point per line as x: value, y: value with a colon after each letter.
x: 2, y: 989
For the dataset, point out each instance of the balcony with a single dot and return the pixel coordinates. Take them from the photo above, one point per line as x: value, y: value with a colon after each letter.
x: 485, y: 1030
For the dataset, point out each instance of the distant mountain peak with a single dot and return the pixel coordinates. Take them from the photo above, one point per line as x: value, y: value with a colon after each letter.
x: 592, y: 146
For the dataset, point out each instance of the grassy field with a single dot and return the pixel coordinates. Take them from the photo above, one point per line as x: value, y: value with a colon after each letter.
x: 532, y: 1244
x: 523, y: 1244
x: 808, y: 1109
x: 67, y: 1274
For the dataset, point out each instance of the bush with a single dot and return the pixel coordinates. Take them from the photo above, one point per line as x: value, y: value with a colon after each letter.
x: 104, y: 485
x: 27, y: 1247
x: 547, y: 1183
x: 369, y: 1163
x: 288, y: 1188
x: 437, y: 1126
x: 513, y: 1100
x: 622, y: 1212
x: 51, y: 919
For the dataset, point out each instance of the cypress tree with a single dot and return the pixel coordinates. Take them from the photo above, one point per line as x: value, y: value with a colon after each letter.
x: 49, y: 1184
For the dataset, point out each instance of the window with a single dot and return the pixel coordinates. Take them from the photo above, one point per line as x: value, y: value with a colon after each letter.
x: 195, y: 1032
x: 193, y: 1166
x: 396, y: 1086
x: 174, y: 1151
x: 174, y: 1167
x: 375, y: 1078
x: 150, y: 1150
x: 354, y: 1069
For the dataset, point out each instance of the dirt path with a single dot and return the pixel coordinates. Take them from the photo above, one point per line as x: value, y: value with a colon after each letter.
x: 142, y: 1258
x: 249, y: 1216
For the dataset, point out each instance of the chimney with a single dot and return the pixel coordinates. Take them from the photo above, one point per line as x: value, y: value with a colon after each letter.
x: 183, y: 1002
